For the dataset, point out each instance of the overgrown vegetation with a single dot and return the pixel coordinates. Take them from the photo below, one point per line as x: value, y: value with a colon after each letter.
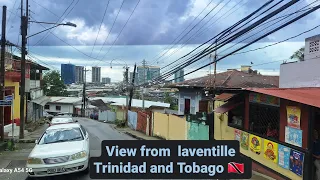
x: 53, y: 85
x: 120, y: 123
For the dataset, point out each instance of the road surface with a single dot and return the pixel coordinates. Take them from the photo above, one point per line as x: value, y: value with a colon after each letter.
x: 98, y: 131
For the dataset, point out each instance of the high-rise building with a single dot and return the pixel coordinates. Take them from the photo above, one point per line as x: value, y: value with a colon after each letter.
x: 96, y: 74
x: 147, y: 73
x: 106, y: 80
x: 179, y: 76
x: 79, y: 74
x: 68, y: 73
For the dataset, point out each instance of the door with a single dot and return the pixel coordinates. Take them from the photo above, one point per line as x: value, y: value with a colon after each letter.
x: 187, y: 106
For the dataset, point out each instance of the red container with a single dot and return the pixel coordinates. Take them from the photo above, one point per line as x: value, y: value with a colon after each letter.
x: 17, y: 121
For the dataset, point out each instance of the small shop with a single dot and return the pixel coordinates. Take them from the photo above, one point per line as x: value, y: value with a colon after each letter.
x: 274, y: 128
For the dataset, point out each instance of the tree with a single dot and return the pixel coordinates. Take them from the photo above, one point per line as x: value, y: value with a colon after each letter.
x: 299, y: 54
x: 53, y: 85
x: 168, y: 99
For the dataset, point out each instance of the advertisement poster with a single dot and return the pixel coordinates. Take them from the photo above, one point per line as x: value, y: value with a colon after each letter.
x: 293, y: 116
x: 283, y: 156
x: 255, y: 144
x: 237, y: 135
x: 270, y: 150
x: 244, y: 143
x: 296, y: 162
x: 293, y: 136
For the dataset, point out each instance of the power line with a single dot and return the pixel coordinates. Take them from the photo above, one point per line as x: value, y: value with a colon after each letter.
x: 46, y: 8
x: 121, y: 30
x: 100, y: 27
x: 111, y: 28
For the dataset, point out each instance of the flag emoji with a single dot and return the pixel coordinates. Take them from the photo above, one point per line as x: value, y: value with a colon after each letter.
x: 235, y: 168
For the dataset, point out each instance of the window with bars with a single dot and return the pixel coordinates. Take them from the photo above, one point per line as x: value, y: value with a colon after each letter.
x: 264, y: 120
x: 236, y: 116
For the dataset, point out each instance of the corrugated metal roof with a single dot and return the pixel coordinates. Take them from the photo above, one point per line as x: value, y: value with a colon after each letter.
x: 224, y: 96
x: 309, y: 96
x: 65, y: 100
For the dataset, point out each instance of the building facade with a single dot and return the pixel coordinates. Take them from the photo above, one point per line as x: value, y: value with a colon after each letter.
x: 179, y: 76
x: 135, y: 78
x: 68, y: 73
x: 79, y: 74
x: 147, y: 73
x: 308, y: 68
x: 96, y: 74
x: 106, y: 80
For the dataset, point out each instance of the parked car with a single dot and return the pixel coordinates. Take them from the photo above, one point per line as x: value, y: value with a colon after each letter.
x: 61, y: 120
x: 64, y: 114
x: 47, y: 115
x: 62, y: 149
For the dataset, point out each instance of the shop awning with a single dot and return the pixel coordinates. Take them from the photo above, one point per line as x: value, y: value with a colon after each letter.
x: 43, y: 100
x: 227, y: 107
x: 308, y: 96
x: 224, y: 97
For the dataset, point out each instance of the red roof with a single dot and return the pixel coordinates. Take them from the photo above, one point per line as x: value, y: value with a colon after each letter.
x: 309, y: 96
x: 233, y: 79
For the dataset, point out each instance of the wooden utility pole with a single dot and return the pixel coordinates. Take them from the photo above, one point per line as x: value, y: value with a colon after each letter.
x: 132, y: 86
x: 144, y: 81
x: 24, y: 29
x: 83, y: 106
x: 2, y: 68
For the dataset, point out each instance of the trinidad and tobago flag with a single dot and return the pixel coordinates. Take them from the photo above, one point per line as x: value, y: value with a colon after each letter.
x: 235, y: 168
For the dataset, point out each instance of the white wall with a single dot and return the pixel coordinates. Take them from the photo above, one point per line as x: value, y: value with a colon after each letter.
x: 64, y: 107
x: 300, y: 74
x: 194, y: 97
x: 36, y: 93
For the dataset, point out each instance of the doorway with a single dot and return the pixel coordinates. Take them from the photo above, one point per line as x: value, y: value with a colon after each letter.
x: 186, y: 106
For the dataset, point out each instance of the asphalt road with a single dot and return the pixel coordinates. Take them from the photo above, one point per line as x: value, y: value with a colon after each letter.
x: 98, y: 131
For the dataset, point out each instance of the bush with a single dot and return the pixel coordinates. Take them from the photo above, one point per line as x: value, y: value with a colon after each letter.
x: 120, y: 123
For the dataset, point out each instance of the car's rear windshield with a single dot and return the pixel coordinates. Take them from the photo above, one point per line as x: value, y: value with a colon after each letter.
x: 61, y: 120
x: 61, y: 135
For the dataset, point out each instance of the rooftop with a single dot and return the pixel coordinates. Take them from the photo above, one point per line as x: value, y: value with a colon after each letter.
x: 233, y: 79
x: 65, y: 100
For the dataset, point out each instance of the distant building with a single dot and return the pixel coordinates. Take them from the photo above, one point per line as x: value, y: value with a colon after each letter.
x: 79, y: 74
x: 179, y: 76
x: 135, y: 78
x: 106, y: 80
x: 147, y: 73
x: 96, y: 74
x: 68, y: 73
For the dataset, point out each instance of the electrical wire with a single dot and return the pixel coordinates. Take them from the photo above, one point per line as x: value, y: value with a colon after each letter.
x: 122, y: 29
x: 111, y: 28
x: 105, y: 11
x: 46, y: 8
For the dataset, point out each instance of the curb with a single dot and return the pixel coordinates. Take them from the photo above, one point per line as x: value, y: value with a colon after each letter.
x: 25, y: 140
x: 134, y: 136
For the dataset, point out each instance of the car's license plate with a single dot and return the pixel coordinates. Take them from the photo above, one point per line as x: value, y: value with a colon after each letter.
x: 56, y: 170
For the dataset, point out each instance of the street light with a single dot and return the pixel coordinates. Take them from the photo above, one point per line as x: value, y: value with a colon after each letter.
x: 56, y: 25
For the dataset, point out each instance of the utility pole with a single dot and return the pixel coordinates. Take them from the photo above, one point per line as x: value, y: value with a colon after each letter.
x: 24, y: 29
x: 144, y: 81
x: 132, y: 86
x: 2, y: 70
x: 126, y: 78
x: 83, y: 107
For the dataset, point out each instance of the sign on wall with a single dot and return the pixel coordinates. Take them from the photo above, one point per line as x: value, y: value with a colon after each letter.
x: 255, y: 144
x: 283, y: 156
x: 244, y: 143
x: 264, y: 99
x: 237, y: 135
x: 270, y: 150
x: 293, y: 136
x: 293, y: 116
x: 296, y: 162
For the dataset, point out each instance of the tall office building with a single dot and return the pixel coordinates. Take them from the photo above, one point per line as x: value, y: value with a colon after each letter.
x: 68, y: 73
x: 79, y: 74
x: 147, y: 73
x: 179, y: 76
x: 96, y: 74
x: 106, y: 80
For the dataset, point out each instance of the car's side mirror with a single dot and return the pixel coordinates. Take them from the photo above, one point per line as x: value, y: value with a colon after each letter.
x: 36, y: 141
x: 76, y: 121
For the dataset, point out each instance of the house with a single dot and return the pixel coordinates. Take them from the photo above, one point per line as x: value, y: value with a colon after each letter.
x: 303, y: 73
x: 291, y: 114
x: 192, y: 93
x: 62, y: 104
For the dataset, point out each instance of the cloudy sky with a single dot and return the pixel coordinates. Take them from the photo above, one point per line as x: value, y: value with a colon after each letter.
x: 158, y: 31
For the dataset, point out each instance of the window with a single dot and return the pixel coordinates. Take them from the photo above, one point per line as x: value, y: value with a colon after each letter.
x: 236, y: 116
x: 47, y: 107
x: 264, y: 120
x: 58, y: 108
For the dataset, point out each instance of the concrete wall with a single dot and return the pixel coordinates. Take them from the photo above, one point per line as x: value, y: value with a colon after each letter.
x: 160, y: 125
x: 107, y: 116
x: 16, y: 108
x: 197, y: 131
x: 300, y: 74
x: 194, y: 96
x: 64, y: 107
x: 132, y: 120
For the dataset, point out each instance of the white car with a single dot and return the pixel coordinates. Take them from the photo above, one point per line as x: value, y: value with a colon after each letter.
x: 62, y: 149
x: 62, y: 120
